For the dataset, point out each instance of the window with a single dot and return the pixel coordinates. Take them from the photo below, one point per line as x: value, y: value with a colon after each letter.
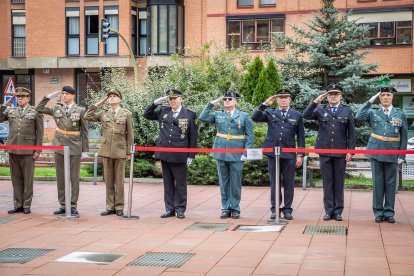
x: 72, y: 31
x: 91, y: 31
x: 134, y: 31
x: 267, y: 2
x: 111, y: 46
x: 142, y: 31
x: 167, y: 29
x: 245, y: 3
x: 389, y: 33
x: 19, y: 33
x: 255, y: 34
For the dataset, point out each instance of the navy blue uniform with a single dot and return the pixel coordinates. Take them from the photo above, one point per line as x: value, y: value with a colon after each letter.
x: 335, y: 132
x: 179, y: 132
x: 287, y: 132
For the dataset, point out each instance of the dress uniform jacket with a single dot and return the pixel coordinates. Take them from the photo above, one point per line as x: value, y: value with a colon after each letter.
x: 117, y: 132
x: 239, y: 124
x: 281, y: 132
x: 25, y: 128
x: 335, y: 131
x: 179, y: 132
x: 73, y: 121
x: 394, y: 125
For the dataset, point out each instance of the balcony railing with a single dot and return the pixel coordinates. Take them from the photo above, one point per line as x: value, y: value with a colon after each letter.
x: 19, y: 46
x: 17, y: 1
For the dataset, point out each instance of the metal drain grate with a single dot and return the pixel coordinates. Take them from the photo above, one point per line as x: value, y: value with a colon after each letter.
x: 21, y: 255
x: 163, y: 259
x: 6, y: 220
x: 325, y: 230
x: 216, y: 227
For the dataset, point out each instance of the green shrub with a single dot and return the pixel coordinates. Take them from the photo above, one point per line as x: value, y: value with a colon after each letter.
x: 255, y: 173
x: 203, y: 171
x: 142, y: 168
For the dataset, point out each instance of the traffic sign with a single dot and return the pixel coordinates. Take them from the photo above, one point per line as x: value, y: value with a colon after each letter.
x: 10, y: 88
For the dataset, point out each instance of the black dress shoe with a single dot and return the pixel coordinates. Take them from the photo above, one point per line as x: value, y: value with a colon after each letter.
x: 26, y: 211
x: 273, y: 215
x: 225, y: 214
x: 327, y: 217
x: 379, y: 219
x: 168, y: 214
x: 119, y: 213
x: 59, y: 211
x: 180, y: 215
x: 73, y: 211
x: 389, y: 219
x: 288, y: 216
x: 15, y: 210
x: 338, y: 217
x: 235, y: 214
x: 107, y: 212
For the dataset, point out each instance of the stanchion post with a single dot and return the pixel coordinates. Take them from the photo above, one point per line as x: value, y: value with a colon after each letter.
x: 131, y: 177
x: 66, y: 165
x: 95, y: 168
x: 305, y: 167
x: 277, y: 220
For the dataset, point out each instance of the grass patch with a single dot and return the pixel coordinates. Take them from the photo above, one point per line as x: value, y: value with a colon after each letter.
x: 49, y: 171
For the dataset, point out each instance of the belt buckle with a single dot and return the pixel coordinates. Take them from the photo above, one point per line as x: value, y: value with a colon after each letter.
x: 228, y: 136
x: 385, y: 138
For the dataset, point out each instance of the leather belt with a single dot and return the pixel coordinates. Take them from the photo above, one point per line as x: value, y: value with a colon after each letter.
x: 231, y: 137
x: 67, y: 132
x: 385, y: 138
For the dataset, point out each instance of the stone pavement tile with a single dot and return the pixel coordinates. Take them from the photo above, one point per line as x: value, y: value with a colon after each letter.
x: 397, y: 254
x: 265, y: 268
x: 264, y: 236
x: 181, y: 273
x: 180, y: 244
x: 240, y: 261
x: 329, y: 239
x: 140, y: 270
x: 101, y: 270
x: 365, y: 271
x: 292, y: 230
x: 399, y: 269
x: 301, y: 240
x: 364, y: 236
x: 377, y: 252
x: 100, y: 247
x: 354, y: 243
x: 303, y: 272
x: 213, y: 249
x: 366, y: 262
x: 329, y: 254
x: 226, y: 237
x: 230, y: 271
x: 323, y: 265
x: 14, y: 271
x: 405, y: 238
x: 57, y: 268
x: 195, y: 266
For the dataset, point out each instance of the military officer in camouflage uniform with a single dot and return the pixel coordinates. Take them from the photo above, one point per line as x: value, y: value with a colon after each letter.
x: 25, y: 129
x: 336, y: 131
x: 389, y: 132
x: 234, y: 130
x: 71, y: 131
x: 285, y: 130
x: 116, y: 144
x: 178, y: 129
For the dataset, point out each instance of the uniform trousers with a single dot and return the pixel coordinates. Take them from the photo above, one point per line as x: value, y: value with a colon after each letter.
x: 74, y: 178
x: 333, y: 175
x: 287, y: 179
x: 22, y: 172
x: 384, y: 178
x: 230, y: 177
x: 175, y: 186
x: 114, y: 174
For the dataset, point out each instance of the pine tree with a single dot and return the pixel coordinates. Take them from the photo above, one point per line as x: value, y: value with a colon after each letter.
x: 250, y: 79
x: 328, y: 50
x: 263, y: 89
x: 273, y: 76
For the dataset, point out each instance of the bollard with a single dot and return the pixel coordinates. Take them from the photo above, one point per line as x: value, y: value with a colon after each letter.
x: 277, y: 220
x: 68, y: 186
x: 95, y: 168
x: 131, y: 177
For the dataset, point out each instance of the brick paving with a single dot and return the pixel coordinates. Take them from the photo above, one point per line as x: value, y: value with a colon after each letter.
x: 368, y: 249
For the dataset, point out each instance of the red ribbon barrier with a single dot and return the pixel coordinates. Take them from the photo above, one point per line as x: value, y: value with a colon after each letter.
x: 197, y: 150
x: 31, y: 147
x: 342, y: 151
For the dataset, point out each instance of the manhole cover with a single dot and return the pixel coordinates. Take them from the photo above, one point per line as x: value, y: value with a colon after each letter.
x: 325, y: 230
x: 90, y: 257
x: 260, y: 228
x: 5, y: 220
x: 217, y: 227
x: 21, y: 255
x: 163, y: 259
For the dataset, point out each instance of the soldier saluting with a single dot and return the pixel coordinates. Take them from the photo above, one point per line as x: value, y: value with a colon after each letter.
x: 115, y: 149
x: 71, y: 131
x: 25, y: 129
x: 178, y: 129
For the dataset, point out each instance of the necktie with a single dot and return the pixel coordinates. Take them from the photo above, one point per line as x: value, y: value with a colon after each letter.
x: 386, y: 111
x: 113, y: 113
x: 333, y: 108
x: 175, y: 114
x: 228, y: 112
x: 67, y: 109
x: 283, y: 114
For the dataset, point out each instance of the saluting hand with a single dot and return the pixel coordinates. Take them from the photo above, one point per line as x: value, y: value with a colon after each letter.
x: 54, y: 94
x: 101, y: 102
x: 320, y: 98
x: 373, y: 98
x: 270, y: 100
x: 160, y: 100
x: 9, y: 102
x: 217, y: 101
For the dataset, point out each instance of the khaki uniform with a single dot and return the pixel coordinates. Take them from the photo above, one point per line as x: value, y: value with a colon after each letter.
x: 25, y: 129
x: 116, y: 143
x: 71, y: 131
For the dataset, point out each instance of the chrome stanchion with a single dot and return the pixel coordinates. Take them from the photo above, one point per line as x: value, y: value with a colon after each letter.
x: 277, y: 220
x: 68, y: 186
x: 131, y: 177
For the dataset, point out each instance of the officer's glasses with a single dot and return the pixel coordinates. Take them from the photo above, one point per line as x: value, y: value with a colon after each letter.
x: 228, y: 99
